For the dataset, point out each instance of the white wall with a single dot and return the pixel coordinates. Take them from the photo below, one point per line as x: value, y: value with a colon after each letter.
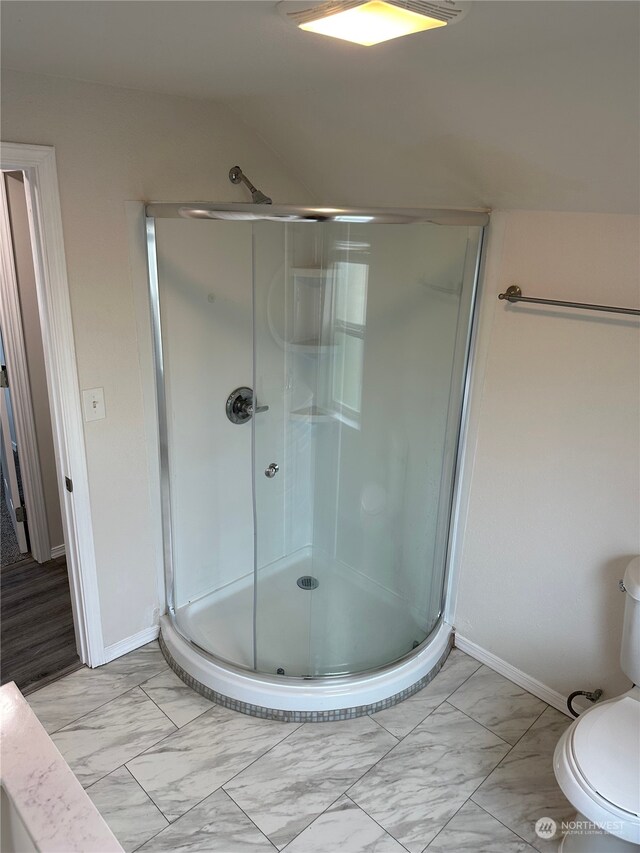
x: 114, y: 145
x: 25, y: 275
x: 553, y: 507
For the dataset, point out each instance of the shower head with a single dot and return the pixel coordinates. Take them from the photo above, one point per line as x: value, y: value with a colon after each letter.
x: 237, y: 176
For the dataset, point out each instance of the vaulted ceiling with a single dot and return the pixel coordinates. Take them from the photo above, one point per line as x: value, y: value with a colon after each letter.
x: 523, y: 104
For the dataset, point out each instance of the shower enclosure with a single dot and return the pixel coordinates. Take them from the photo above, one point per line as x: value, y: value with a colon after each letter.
x: 311, y: 369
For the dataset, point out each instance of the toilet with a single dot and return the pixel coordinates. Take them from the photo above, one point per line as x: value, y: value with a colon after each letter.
x: 597, y: 759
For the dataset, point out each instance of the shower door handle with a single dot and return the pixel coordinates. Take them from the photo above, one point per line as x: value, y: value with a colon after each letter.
x: 271, y: 470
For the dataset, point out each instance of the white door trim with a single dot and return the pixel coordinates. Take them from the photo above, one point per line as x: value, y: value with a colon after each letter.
x: 43, y: 202
x: 20, y: 389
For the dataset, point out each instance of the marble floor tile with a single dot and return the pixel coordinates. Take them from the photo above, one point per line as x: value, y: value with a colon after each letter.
x: 523, y: 787
x: 400, y: 719
x: 472, y: 830
x: 101, y: 741
x: 232, y: 783
x: 140, y: 664
x: 421, y: 783
x: 497, y: 703
x: 290, y: 786
x: 178, y: 701
x: 84, y: 690
x: 344, y: 827
x: 201, y: 756
x: 216, y: 825
x: 131, y: 815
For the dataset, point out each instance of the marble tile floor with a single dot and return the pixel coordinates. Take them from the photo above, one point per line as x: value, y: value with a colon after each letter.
x: 463, y: 765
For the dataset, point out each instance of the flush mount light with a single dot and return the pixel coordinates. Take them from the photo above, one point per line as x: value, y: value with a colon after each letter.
x: 369, y: 22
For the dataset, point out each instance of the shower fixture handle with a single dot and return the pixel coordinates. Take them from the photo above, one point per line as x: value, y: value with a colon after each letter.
x: 240, y: 405
x: 271, y: 470
x: 251, y: 411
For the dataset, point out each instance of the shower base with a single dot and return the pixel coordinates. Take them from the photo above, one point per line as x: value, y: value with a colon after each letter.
x: 347, y: 623
x: 298, y: 639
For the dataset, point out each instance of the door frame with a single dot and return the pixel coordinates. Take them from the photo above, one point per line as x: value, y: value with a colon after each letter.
x: 38, y: 164
x: 20, y: 389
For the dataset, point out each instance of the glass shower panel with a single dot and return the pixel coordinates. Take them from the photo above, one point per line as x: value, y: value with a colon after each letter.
x: 289, y: 306
x: 399, y: 322
x: 360, y: 336
x: 205, y: 299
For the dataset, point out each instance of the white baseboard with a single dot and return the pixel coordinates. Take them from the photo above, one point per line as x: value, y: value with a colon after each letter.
x: 58, y: 551
x: 537, y: 688
x: 130, y: 643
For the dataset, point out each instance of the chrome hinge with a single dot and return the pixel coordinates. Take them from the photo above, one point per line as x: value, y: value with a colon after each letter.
x: 68, y: 482
x: 21, y: 514
x: 4, y: 378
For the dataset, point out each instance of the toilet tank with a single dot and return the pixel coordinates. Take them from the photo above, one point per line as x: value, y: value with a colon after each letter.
x: 630, y: 649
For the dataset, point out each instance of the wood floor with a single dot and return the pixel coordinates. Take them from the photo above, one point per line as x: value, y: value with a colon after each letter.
x: 37, y: 638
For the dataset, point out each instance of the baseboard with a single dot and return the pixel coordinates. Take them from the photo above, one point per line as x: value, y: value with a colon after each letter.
x: 58, y: 551
x: 130, y: 643
x: 537, y: 688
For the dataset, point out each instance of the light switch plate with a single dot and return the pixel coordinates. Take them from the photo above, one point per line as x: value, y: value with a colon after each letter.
x: 93, y: 404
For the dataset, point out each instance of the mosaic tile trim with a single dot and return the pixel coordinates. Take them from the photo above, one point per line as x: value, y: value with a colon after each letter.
x: 302, y: 716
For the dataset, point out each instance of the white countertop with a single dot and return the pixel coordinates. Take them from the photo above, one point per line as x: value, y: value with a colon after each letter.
x: 50, y: 802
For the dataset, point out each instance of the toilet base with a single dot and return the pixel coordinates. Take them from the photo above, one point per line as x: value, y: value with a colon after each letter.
x: 589, y: 838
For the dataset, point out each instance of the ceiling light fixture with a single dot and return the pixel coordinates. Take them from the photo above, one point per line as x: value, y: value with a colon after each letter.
x: 369, y: 22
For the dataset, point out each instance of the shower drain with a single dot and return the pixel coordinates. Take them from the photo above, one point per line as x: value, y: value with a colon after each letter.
x: 308, y: 582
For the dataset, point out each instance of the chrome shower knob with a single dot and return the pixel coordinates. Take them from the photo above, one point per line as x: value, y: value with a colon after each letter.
x: 240, y: 406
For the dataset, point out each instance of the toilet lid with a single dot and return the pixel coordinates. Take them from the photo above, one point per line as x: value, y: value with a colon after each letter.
x: 606, y: 745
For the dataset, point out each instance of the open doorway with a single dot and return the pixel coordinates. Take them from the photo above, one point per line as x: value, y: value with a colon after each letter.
x: 37, y: 627
x: 14, y: 543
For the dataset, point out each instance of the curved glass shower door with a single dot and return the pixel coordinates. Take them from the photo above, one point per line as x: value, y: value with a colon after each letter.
x: 204, y: 324
x: 360, y: 341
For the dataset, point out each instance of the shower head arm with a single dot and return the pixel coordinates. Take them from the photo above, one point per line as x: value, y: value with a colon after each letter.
x: 237, y: 176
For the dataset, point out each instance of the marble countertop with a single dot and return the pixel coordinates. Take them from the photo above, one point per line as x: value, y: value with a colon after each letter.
x: 51, y: 803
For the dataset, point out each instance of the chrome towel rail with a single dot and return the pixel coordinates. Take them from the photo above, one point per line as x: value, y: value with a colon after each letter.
x: 514, y: 294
